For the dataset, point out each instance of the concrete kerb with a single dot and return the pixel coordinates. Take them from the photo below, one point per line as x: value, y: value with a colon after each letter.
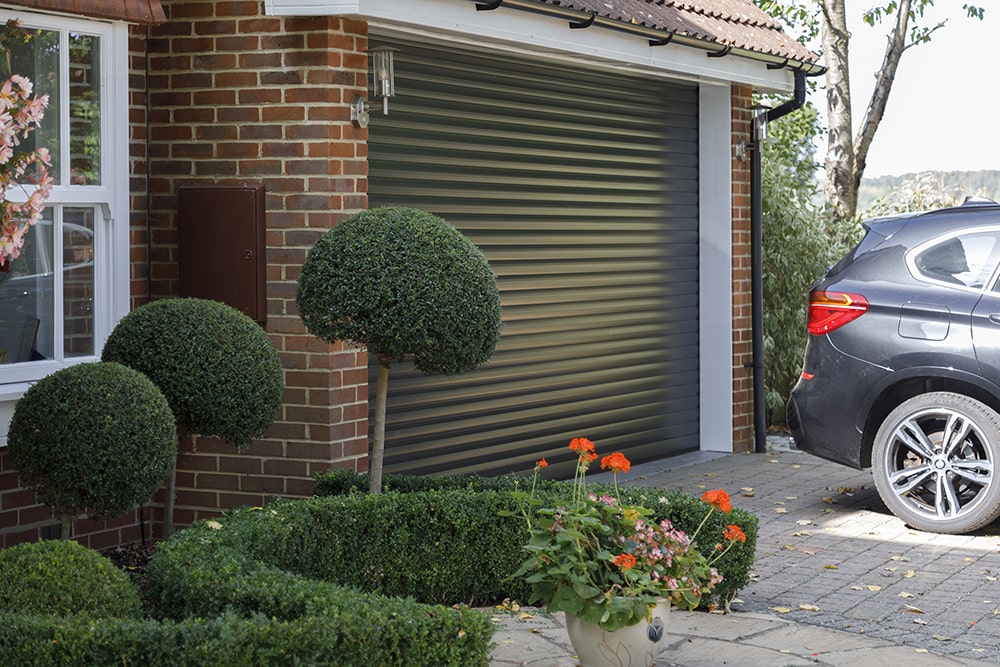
x: 837, y: 580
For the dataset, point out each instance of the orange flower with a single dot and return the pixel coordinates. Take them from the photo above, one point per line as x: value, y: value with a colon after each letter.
x: 733, y: 532
x: 584, y: 448
x: 542, y: 463
x: 625, y: 561
x: 617, y: 462
x: 718, y: 499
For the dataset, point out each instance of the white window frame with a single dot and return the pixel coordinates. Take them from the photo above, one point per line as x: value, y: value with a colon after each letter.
x: 110, y: 199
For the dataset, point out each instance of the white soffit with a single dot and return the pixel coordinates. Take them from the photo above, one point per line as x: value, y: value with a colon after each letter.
x: 527, y: 32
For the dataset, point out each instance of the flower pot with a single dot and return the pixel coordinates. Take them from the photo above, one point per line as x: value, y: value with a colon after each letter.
x: 632, y: 646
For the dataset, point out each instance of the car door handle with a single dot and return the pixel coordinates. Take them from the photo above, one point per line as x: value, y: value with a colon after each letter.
x: 995, y: 318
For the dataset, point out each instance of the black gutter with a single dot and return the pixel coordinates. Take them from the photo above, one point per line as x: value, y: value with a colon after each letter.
x: 756, y: 272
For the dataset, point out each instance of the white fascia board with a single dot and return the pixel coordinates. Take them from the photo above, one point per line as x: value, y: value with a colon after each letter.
x: 527, y: 32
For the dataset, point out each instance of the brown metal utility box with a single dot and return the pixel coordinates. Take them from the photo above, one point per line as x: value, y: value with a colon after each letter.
x: 221, y: 229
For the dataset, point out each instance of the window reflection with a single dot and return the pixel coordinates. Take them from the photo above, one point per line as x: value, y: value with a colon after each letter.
x: 27, y: 298
x: 28, y: 293
x: 84, y: 109
x: 78, y: 281
x: 39, y: 61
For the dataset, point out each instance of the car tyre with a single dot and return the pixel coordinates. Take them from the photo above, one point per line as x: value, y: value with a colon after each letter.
x: 935, y: 461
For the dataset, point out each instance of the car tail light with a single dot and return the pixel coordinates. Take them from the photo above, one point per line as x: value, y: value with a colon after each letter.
x: 832, y: 310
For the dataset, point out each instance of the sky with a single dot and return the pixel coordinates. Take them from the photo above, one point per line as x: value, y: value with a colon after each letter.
x: 942, y: 111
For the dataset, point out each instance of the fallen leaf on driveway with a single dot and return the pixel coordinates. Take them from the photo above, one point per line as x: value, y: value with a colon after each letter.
x: 804, y: 522
x: 904, y: 594
x: 909, y: 574
x: 943, y: 638
x: 830, y: 567
x: 873, y: 588
x: 781, y: 510
x: 800, y: 533
x: 781, y: 610
x: 828, y: 500
x: 808, y: 607
x: 912, y: 609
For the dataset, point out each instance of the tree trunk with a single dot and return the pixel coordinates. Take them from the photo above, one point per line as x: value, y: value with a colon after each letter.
x: 896, y: 44
x: 378, y: 440
x: 841, y: 193
x: 846, y: 157
x: 168, y: 506
x: 66, y: 529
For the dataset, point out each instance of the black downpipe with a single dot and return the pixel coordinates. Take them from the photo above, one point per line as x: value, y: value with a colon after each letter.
x: 756, y: 272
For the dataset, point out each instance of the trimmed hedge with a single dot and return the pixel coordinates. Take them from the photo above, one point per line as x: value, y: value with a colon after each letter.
x: 507, y: 535
x: 439, y: 548
x: 282, y: 585
x: 259, y: 561
x: 63, y: 577
x: 231, y: 640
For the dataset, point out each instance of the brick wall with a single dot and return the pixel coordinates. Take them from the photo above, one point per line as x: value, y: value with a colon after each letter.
x: 743, y: 437
x: 236, y: 97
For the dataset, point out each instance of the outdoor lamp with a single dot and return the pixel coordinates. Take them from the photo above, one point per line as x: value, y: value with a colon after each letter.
x: 383, y: 86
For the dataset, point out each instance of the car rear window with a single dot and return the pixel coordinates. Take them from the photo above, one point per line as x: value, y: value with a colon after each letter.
x: 968, y: 259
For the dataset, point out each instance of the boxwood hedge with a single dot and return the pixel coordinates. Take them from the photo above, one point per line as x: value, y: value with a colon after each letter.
x: 344, y: 578
x: 502, y: 534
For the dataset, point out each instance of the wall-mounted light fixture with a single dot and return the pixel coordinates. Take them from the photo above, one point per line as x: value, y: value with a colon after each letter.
x: 383, y: 86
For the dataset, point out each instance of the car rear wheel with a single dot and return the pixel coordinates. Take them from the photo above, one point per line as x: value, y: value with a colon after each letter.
x: 935, y: 462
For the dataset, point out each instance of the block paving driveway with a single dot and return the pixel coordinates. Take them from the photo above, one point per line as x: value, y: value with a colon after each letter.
x: 830, y: 554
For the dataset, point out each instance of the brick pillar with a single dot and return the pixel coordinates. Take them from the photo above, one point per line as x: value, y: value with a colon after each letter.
x: 743, y: 438
x: 236, y: 97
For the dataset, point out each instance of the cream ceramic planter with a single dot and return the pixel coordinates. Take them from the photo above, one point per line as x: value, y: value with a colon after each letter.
x: 632, y: 646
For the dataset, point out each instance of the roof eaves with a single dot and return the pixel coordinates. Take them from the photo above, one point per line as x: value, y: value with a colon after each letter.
x: 685, y: 23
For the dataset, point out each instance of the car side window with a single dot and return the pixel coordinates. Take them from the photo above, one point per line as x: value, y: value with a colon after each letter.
x: 968, y: 260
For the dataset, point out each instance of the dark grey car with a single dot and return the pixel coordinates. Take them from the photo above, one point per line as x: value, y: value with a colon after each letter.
x: 902, y: 368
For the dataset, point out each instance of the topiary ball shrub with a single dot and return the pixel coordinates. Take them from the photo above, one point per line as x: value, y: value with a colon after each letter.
x: 63, y: 577
x: 216, y: 366
x: 97, y: 437
x: 404, y: 283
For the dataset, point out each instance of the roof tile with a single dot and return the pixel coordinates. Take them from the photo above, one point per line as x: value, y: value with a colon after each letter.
x: 735, y: 23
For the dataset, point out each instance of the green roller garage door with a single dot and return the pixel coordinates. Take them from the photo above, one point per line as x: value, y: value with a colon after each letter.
x: 581, y: 187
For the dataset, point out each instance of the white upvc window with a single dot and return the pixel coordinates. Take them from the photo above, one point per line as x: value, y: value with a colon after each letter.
x: 70, y: 286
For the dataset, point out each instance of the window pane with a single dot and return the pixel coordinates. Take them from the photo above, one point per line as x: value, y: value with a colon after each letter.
x: 39, y: 61
x: 84, y: 109
x: 78, y: 281
x: 26, y: 298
